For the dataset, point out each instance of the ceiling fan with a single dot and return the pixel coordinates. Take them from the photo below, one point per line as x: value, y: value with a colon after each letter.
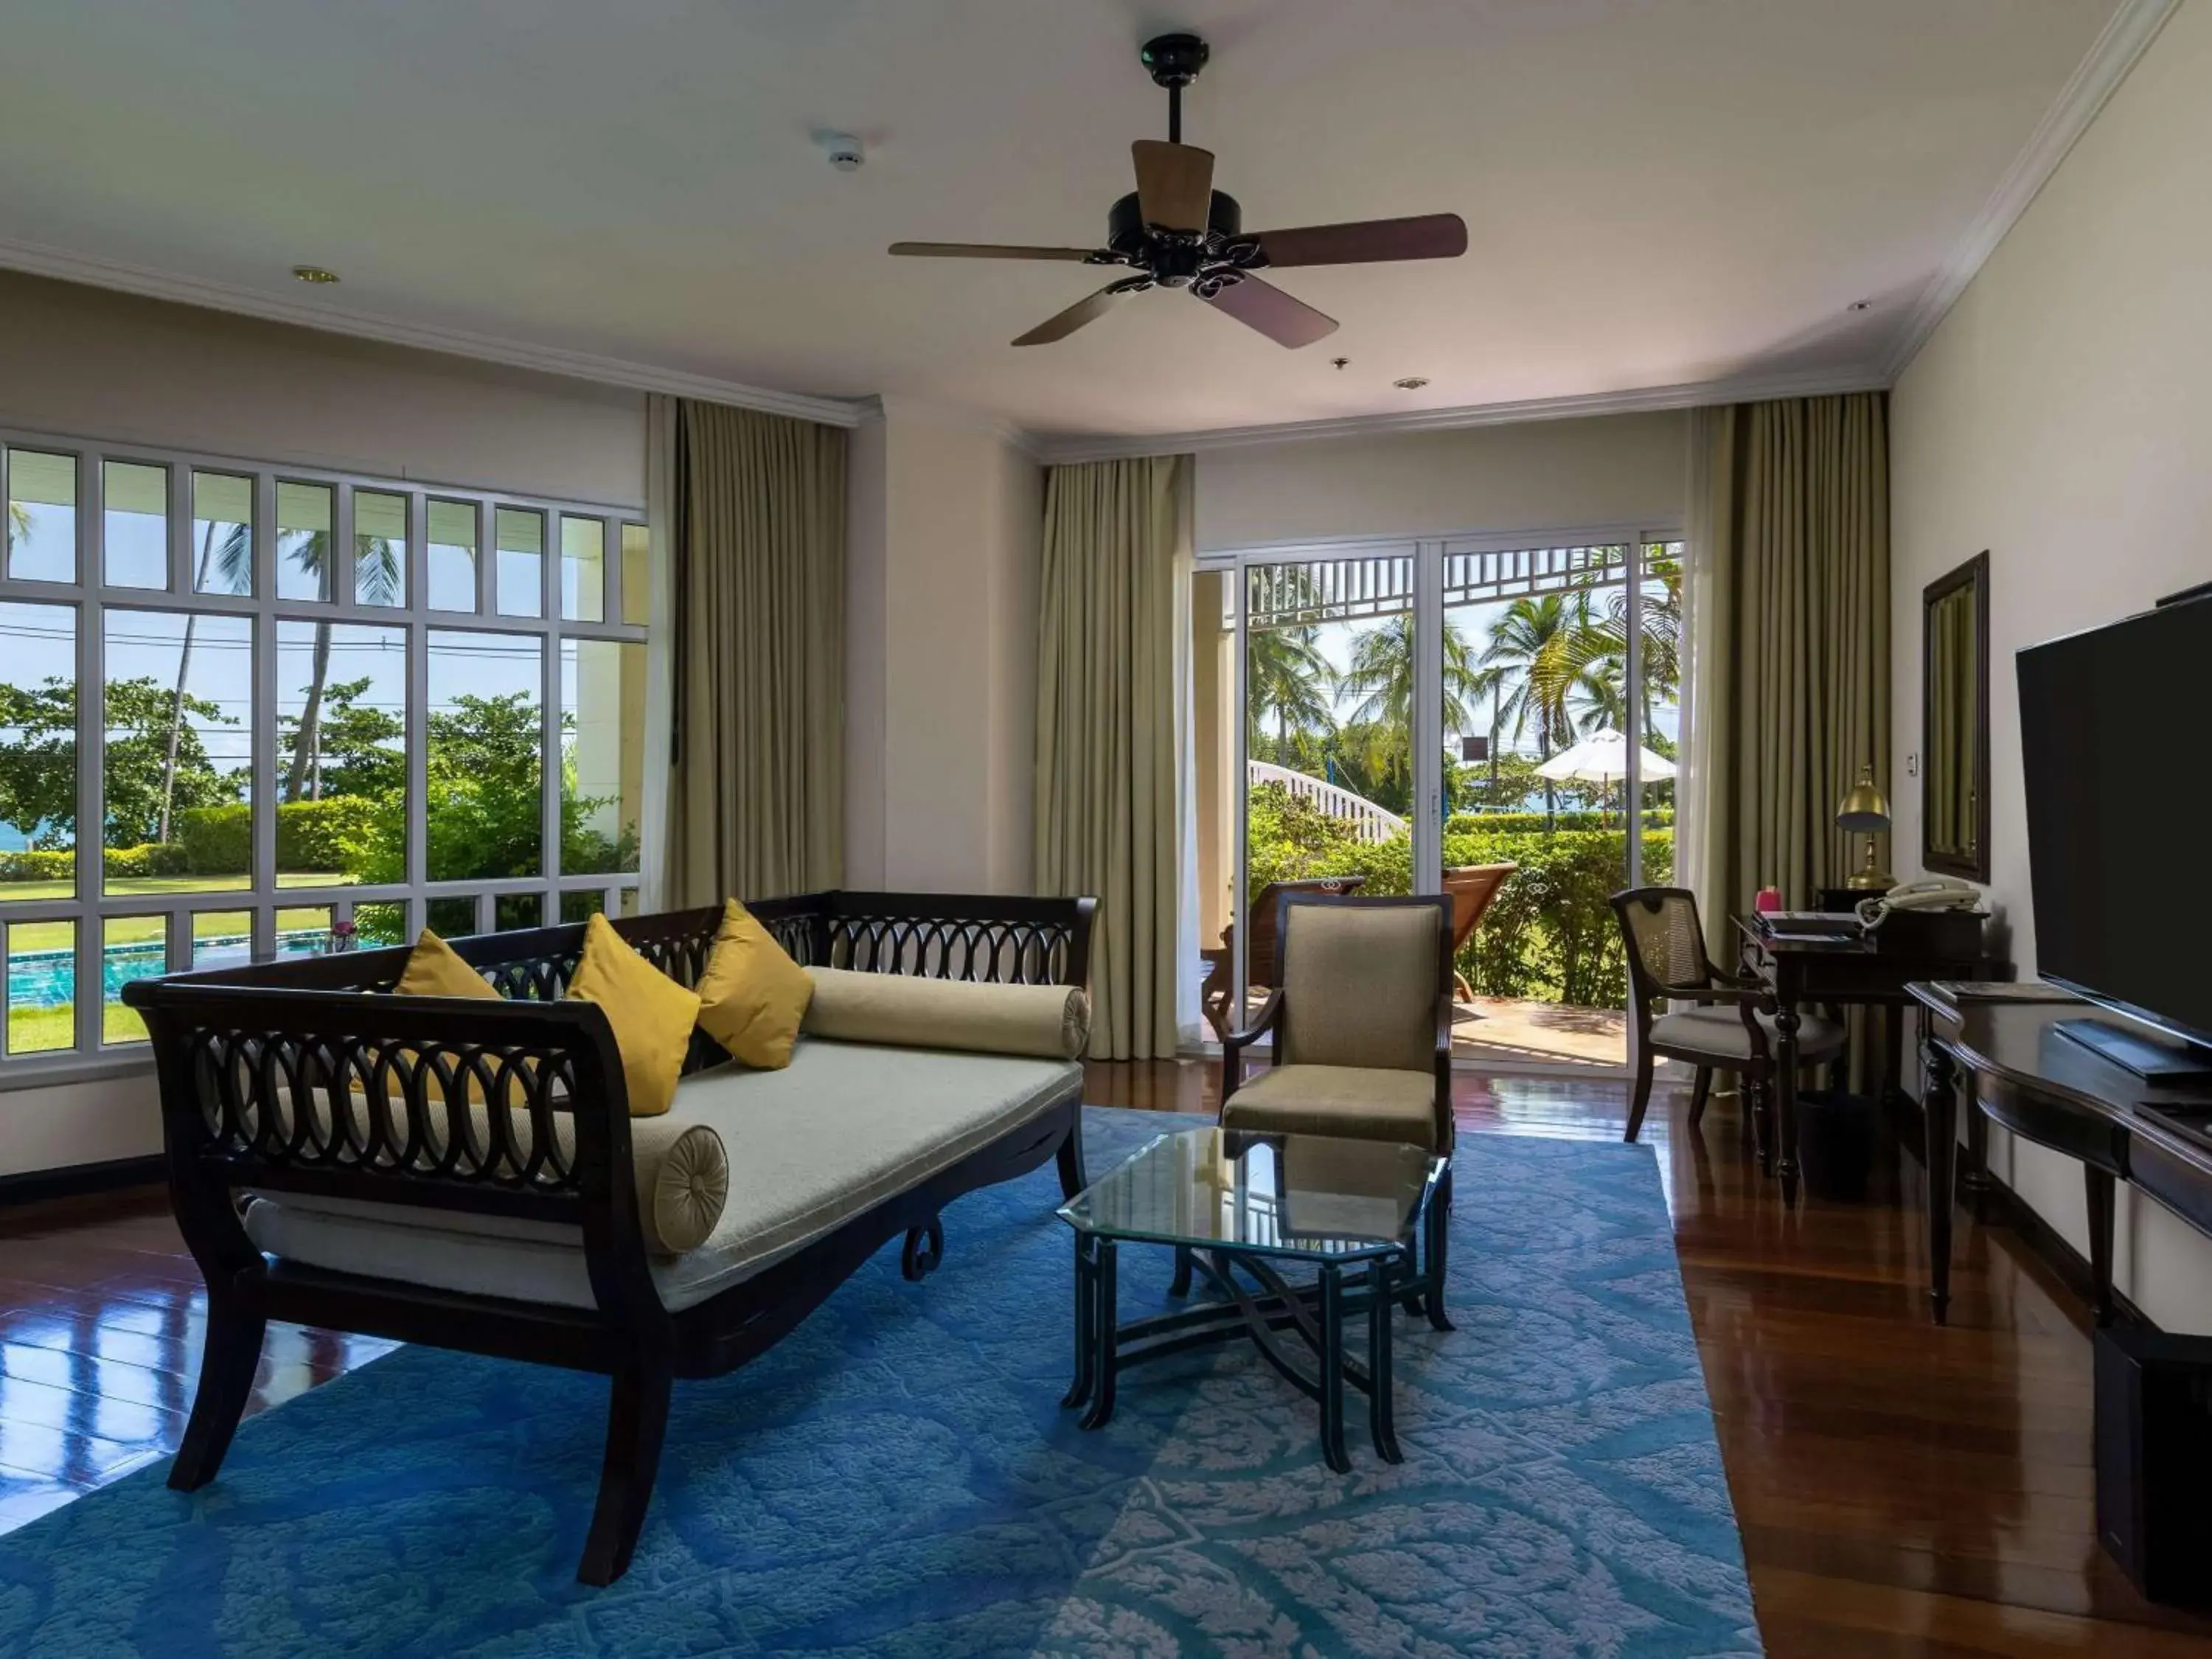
x: 1176, y: 231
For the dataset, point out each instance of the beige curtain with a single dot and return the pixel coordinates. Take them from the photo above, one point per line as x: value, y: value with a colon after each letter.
x: 757, y: 791
x: 1107, y: 818
x: 1793, y: 638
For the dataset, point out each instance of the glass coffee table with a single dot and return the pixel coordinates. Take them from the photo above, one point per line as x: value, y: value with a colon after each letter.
x: 1245, y: 1210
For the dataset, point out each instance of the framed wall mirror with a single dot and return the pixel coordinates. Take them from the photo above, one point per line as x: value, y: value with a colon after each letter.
x: 1954, y: 677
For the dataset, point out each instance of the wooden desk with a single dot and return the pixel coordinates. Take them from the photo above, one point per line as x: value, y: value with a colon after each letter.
x: 2054, y: 1092
x: 1874, y: 972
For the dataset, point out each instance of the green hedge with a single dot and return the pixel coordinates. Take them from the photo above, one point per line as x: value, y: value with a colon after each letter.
x: 1660, y: 817
x: 1550, y: 932
x: 37, y: 865
x: 310, y: 834
x: 153, y: 859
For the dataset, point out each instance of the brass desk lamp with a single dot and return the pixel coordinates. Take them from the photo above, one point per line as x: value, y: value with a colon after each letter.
x: 1864, y: 810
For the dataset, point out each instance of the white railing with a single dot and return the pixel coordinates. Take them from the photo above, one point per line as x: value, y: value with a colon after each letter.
x: 1368, y: 822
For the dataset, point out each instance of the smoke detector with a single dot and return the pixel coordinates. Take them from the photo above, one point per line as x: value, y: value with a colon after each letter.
x: 846, y: 152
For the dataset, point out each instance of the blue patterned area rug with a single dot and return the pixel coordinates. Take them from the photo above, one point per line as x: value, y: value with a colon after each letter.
x: 896, y: 1478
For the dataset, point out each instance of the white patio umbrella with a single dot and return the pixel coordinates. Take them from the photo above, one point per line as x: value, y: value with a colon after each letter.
x: 1602, y: 757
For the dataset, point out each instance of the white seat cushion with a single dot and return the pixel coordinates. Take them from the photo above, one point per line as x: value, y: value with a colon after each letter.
x: 1718, y: 1031
x: 842, y: 1127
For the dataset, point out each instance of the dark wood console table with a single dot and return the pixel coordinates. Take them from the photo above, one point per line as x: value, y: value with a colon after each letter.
x: 1875, y: 971
x: 2018, y: 1073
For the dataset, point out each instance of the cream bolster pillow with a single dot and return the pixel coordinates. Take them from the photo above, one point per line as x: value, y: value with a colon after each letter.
x: 681, y: 1168
x: 1052, y: 1022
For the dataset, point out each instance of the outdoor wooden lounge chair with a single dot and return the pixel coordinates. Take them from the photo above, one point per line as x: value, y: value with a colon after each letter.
x: 1217, y: 996
x: 1471, y: 888
x: 465, y: 1173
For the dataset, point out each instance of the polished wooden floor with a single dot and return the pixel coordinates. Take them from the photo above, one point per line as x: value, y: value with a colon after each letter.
x: 1902, y: 1490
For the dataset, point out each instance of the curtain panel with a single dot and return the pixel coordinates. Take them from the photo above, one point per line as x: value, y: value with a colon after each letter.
x: 1792, y: 626
x: 1108, y: 772
x: 757, y: 786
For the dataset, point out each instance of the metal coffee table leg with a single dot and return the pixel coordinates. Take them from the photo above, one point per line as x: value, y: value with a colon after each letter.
x: 1085, y: 1333
x: 1382, y: 1306
x: 1332, y: 1369
x: 1103, y: 1337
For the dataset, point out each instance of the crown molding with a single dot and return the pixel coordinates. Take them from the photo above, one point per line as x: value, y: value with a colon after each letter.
x: 2126, y: 36
x: 1061, y: 449
x: 42, y: 261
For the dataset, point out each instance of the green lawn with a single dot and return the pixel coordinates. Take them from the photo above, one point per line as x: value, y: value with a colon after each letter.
x: 133, y: 886
x: 43, y: 1031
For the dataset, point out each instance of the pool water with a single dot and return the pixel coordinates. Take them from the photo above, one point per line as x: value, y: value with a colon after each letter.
x: 48, y: 979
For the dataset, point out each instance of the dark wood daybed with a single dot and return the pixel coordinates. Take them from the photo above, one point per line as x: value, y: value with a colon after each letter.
x: 236, y: 1047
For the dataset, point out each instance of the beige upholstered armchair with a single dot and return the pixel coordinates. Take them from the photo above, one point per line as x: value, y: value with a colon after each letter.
x: 1361, y: 1023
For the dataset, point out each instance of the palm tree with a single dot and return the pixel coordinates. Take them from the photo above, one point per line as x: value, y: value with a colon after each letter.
x: 1525, y: 663
x: 1287, y: 676
x: 232, y: 560
x: 1381, y: 678
x: 377, y: 581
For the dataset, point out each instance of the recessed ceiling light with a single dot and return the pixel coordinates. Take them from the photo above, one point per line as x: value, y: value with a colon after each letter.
x: 1411, y: 383
x: 315, y: 274
x: 1861, y: 305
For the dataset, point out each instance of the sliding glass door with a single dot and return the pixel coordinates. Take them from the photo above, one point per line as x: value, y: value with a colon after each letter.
x: 1492, y: 719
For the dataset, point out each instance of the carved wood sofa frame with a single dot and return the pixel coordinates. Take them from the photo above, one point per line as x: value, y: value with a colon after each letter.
x: 227, y: 1041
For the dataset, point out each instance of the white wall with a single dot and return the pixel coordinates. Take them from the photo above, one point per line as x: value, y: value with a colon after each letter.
x: 2061, y: 417
x: 1536, y: 475
x: 84, y: 363
x: 941, y: 682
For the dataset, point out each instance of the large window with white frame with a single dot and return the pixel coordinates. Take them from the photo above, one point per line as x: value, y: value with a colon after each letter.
x: 246, y: 709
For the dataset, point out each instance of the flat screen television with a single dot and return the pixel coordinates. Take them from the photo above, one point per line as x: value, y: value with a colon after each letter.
x: 2115, y: 745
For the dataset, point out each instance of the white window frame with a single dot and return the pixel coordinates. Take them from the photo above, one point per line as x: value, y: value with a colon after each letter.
x: 90, y: 597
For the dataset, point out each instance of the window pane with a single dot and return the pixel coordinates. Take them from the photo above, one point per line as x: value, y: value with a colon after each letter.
x: 179, y: 751
x: 135, y: 525
x: 486, y: 771
x: 636, y: 586
x: 581, y: 907
x: 42, y: 529
x: 131, y: 947
x: 583, y: 569
x: 223, y: 533
x: 629, y: 905
x: 222, y: 938
x: 41, y: 986
x: 513, y: 911
x: 377, y: 925
x: 304, y: 554
x: 452, y: 918
x: 602, y: 755
x: 522, y: 560
x: 38, y: 751
x: 452, y: 556
x: 341, y: 771
x: 379, y: 548
x: 303, y: 931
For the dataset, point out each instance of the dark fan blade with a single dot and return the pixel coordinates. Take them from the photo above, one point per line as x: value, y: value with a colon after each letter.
x: 1175, y: 184
x: 1060, y: 326
x: 1263, y: 306
x: 1431, y: 236
x: 985, y: 251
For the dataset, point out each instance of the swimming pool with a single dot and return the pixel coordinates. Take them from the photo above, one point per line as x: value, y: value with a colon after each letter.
x: 48, y: 979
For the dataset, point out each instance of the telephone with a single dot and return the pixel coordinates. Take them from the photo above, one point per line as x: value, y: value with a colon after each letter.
x: 1929, y: 893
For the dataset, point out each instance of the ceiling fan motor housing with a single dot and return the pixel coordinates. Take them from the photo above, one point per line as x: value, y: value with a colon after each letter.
x: 1174, y: 260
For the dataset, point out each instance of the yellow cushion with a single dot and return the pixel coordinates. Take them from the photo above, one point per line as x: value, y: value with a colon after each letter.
x: 651, y: 1013
x: 752, y: 995
x: 435, y: 969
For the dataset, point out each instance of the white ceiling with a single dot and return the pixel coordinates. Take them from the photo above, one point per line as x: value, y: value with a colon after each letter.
x: 1658, y: 193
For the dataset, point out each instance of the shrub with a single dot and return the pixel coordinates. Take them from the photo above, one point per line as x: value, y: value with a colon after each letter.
x: 153, y: 858
x: 38, y: 864
x: 1550, y: 932
x: 218, y: 840
x: 321, y: 834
